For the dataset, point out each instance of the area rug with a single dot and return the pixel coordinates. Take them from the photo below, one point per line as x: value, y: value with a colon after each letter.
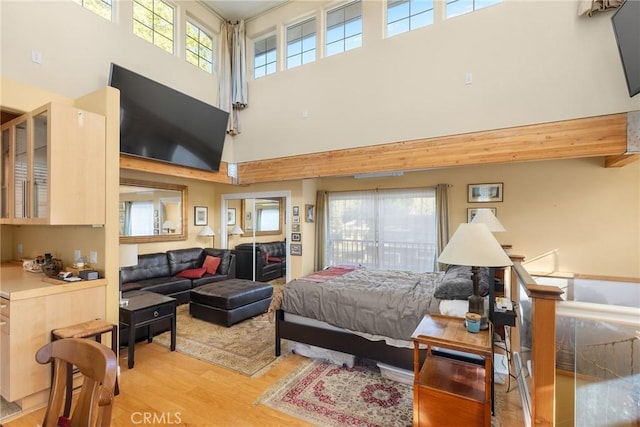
x: 246, y: 347
x: 325, y: 394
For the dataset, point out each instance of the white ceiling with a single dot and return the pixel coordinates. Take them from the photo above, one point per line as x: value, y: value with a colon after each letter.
x: 234, y: 10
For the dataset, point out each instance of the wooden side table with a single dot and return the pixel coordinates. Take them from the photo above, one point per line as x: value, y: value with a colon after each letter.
x: 145, y: 309
x: 448, y: 391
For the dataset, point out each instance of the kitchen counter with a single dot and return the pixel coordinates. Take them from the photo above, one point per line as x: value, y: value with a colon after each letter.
x: 17, y: 284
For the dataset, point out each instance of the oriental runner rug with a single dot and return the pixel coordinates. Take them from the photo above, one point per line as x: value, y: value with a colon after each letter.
x: 329, y: 395
x: 325, y: 394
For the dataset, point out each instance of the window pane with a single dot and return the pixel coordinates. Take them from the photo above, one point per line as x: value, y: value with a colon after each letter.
x: 398, y: 27
x: 271, y: 68
x: 352, y: 28
x: 294, y: 48
x: 398, y: 11
x: 335, y: 34
x: 334, y: 48
x: 271, y: 56
x: 192, y: 58
x: 309, y: 43
x: 353, y: 42
x: 309, y: 56
x: 142, y: 31
x: 422, y: 20
x: 293, y: 61
x: 260, y: 60
x: 458, y: 7
x: 418, y: 6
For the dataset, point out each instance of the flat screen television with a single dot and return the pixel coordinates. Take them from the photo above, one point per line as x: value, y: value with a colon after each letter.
x: 160, y: 123
x: 626, y: 27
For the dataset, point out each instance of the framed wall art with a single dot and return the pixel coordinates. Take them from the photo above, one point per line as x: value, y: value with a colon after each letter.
x: 295, y: 249
x: 296, y: 237
x: 231, y: 216
x: 482, y: 193
x: 200, y: 215
x: 471, y: 212
x: 309, y: 213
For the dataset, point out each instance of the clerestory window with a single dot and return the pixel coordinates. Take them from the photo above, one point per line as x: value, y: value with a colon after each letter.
x: 344, y: 28
x: 407, y: 15
x: 199, y: 47
x: 264, y: 57
x: 301, y: 43
x: 102, y: 8
x: 153, y: 20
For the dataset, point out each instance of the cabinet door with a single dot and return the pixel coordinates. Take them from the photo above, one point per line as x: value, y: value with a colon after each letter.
x: 5, y: 162
x: 20, y: 175
x: 40, y: 166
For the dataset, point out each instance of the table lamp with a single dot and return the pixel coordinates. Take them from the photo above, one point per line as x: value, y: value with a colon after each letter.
x: 236, y: 231
x: 473, y: 245
x: 128, y: 258
x: 485, y: 216
x: 168, y: 225
x: 208, y: 232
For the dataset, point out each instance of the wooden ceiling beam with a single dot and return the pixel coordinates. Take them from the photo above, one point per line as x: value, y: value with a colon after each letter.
x: 587, y: 137
x: 620, y: 161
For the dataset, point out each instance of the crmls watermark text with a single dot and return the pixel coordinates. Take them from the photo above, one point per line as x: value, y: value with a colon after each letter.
x: 156, y: 418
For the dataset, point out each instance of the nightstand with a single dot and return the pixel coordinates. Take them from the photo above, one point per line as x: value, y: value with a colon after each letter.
x: 449, y: 389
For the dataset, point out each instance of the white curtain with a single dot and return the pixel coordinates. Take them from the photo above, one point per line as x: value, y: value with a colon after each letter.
x: 587, y: 7
x: 232, y: 82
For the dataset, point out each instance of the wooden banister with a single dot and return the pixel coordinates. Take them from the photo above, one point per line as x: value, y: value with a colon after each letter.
x: 543, y: 357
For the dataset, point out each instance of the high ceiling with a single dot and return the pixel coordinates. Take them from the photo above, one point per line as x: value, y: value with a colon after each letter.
x: 234, y: 10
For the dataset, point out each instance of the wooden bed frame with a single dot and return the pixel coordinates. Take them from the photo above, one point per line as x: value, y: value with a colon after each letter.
x: 344, y: 342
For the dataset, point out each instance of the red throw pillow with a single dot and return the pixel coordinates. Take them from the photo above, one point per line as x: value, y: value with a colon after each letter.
x: 211, y: 263
x: 193, y: 273
x: 274, y: 259
x: 266, y: 257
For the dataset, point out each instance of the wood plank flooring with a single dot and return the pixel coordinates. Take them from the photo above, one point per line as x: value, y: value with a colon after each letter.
x: 170, y: 388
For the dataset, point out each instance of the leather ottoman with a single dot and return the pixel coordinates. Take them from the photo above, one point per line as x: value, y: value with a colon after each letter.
x: 230, y: 301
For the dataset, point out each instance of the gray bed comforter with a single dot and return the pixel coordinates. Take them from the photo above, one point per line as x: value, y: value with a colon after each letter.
x: 377, y: 302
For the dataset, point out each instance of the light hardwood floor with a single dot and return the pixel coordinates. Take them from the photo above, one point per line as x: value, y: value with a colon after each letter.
x: 170, y: 388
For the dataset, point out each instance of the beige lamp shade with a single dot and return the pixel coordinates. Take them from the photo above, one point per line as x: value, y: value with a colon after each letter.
x: 128, y: 255
x: 473, y: 245
x: 206, y: 231
x: 486, y: 216
x: 236, y: 230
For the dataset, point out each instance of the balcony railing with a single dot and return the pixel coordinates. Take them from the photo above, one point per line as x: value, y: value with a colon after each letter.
x: 418, y: 257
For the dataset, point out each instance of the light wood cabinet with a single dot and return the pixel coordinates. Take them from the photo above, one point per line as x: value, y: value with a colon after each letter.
x: 26, y: 326
x: 450, y: 389
x: 53, y: 167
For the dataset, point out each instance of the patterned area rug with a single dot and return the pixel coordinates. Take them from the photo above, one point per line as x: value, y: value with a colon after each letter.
x: 246, y: 347
x: 330, y: 395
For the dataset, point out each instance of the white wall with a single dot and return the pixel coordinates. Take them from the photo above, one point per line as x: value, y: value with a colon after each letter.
x: 532, y: 62
x: 78, y: 46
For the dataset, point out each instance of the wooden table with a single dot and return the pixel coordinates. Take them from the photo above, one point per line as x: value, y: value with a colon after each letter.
x: 145, y: 309
x: 451, y: 389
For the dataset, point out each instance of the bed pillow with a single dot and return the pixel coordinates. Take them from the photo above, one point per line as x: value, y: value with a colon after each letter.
x: 463, y: 271
x: 192, y: 273
x: 455, y: 288
x: 211, y: 263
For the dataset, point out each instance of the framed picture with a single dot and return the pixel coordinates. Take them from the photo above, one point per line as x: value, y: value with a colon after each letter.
x: 296, y: 237
x: 295, y: 220
x: 231, y: 216
x: 296, y: 210
x: 295, y: 227
x: 296, y: 249
x: 482, y: 193
x: 471, y: 212
x: 200, y: 215
x: 309, y: 213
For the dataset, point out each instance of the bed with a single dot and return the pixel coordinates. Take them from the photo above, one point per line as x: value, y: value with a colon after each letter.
x: 368, y: 313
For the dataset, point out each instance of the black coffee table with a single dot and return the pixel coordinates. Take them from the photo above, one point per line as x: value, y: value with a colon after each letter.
x: 144, y: 309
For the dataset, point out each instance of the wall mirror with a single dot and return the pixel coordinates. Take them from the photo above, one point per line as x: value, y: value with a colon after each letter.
x: 152, y: 211
x: 264, y: 216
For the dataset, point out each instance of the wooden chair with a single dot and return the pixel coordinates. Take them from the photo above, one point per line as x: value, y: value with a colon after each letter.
x: 98, y: 365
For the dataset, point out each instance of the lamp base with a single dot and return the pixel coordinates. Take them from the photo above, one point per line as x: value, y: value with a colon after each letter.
x: 476, y: 305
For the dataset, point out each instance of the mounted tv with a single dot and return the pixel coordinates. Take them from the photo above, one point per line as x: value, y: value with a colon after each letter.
x: 626, y: 27
x: 160, y: 123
